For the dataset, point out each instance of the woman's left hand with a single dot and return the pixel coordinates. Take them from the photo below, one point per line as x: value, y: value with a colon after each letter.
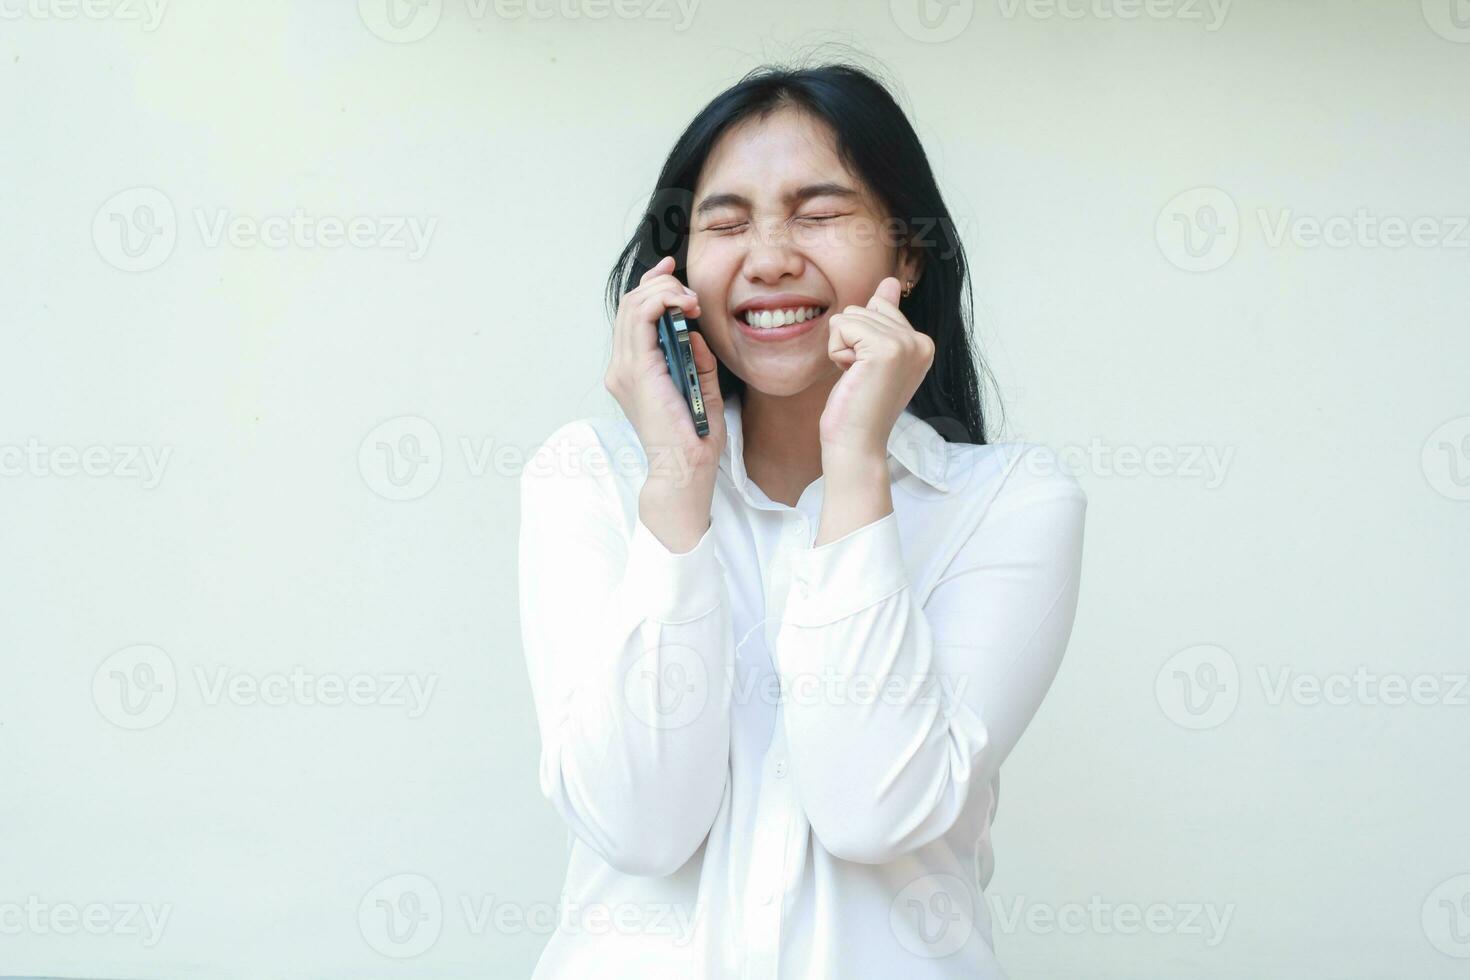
x: 884, y: 360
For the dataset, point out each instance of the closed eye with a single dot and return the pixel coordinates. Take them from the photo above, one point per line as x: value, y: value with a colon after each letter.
x: 805, y: 217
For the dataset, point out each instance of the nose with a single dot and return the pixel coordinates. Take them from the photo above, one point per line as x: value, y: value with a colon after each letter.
x: 771, y: 257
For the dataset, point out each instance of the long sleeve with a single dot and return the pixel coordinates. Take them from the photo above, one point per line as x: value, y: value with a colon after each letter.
x: 931, y: 700
x: 630, y: 652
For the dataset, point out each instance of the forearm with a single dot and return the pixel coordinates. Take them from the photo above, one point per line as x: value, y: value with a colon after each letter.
x: 629, y: 649
x: 855, y: 492
x: 635, y: 750
x: 678, y: 515
x: 877, y: 749
x: 936, y: 691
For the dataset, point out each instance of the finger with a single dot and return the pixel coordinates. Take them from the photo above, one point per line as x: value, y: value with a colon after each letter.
x: 862, y: 329
x: 644, y: 303
x: 661, y: 267
x: 627, y: 337
x: 662, y: 282
x: 706, y: 365
x: 649, y: 310
x: 879, y: 306
x: 880, y: 320
x: 841, y: 339
x: 860, y: 322
x: 884, y: 302
x: 887, y: 292
x: 671, y: 295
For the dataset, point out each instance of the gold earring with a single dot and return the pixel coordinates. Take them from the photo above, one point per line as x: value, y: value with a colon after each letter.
x: 908, y: 286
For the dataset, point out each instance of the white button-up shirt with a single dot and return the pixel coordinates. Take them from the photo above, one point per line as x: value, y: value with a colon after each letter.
x: 776, y: 760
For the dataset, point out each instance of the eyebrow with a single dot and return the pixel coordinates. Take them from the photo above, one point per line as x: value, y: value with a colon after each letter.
x: 826, y: 189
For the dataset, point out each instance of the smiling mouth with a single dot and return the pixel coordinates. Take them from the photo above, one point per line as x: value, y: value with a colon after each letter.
x: 775, y: 319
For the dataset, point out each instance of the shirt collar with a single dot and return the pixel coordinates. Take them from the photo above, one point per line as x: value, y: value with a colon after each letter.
x: 913, y: 442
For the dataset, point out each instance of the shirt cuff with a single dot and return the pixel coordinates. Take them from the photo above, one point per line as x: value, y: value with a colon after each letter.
x: 842, y: 577
x: 676, y: 587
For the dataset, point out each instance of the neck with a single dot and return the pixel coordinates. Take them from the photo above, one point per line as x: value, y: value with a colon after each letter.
x: 783, y: 443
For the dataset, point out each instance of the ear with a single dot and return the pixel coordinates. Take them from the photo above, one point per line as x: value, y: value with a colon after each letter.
x: 910, y: 264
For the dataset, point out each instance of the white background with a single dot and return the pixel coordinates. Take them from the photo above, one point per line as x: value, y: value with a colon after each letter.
x: 1329, y: 383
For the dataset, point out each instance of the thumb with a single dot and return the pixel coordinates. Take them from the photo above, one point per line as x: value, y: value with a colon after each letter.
x: 888, y: 291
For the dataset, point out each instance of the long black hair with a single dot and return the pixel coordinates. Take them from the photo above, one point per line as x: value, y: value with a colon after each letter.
x: 877, y: 143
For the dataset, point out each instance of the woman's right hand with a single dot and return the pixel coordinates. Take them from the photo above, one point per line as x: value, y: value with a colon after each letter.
x: 675, y: 500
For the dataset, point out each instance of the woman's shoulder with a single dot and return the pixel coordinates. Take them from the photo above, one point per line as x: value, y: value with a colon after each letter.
x: 1015, y: 470
x: 587, y: 431
x: 593, y: 446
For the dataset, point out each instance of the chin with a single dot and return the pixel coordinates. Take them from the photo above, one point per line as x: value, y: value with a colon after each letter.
x: 784, y: 384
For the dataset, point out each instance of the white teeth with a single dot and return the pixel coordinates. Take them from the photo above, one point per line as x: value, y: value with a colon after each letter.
x: 769, y: 319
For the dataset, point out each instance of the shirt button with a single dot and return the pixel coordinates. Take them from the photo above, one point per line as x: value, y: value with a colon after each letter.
x: 780, y: 768
x: 803, y: 588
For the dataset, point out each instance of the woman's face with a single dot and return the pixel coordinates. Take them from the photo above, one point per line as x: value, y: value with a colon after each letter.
x: 779, y: 222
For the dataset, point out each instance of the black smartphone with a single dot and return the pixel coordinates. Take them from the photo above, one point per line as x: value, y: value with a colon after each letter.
x: 673, y: 339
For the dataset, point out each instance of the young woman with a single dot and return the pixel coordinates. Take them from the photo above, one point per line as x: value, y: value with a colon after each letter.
x: 777, y: 667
